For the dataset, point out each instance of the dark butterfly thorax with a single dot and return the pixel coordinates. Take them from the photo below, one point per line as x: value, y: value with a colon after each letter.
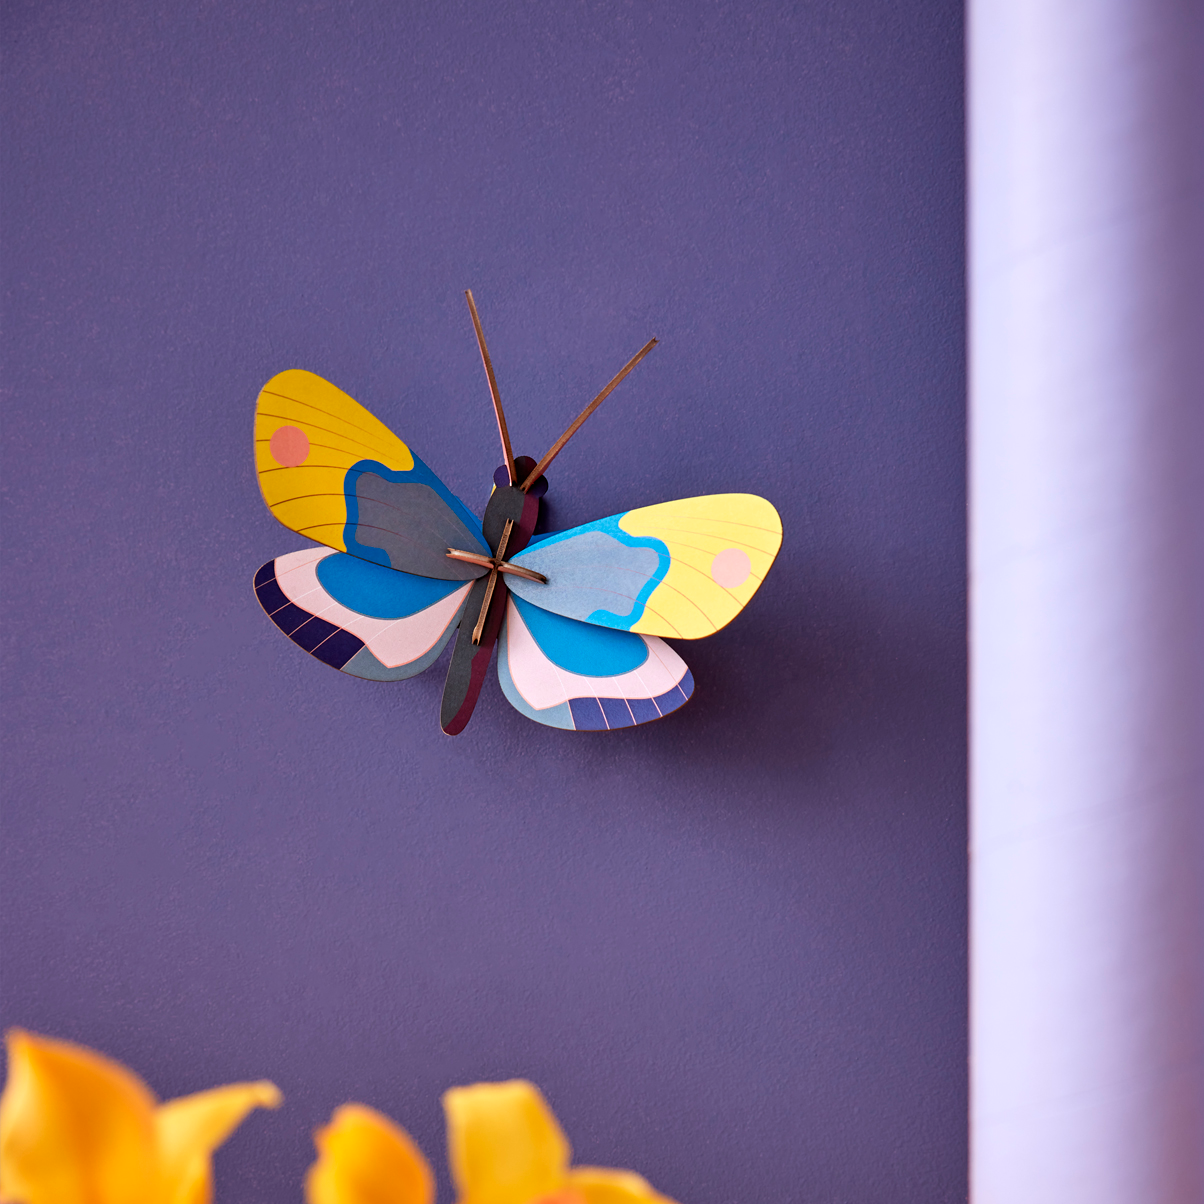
x: 470, y: 661
x: 510, y: 502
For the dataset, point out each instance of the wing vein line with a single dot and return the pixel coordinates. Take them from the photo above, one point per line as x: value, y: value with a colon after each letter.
x: 328, y: 431
x: 305, y: 497
x: 665, y: 526
x: 297, y: 401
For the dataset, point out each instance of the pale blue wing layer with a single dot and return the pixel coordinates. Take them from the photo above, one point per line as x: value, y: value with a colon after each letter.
x: 597, y: 573
x: 584, y: 677
x: 362, y: 618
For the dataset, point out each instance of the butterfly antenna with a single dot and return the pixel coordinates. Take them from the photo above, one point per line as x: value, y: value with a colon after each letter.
x: 577, y: 422
x: 497, y: 397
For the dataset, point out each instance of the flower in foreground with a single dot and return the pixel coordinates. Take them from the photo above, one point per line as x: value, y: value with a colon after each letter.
x: 504, y: 1146
x: 76, y: 1126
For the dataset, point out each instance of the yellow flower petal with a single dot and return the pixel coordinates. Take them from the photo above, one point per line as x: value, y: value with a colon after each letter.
x: 364, y: 1158
x: 598, y: 1185
x: 504, y: 1144
x: 74, y: 1126
x: 190, y: 1128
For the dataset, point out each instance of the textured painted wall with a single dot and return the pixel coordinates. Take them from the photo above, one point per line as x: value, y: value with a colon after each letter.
x: 730, y: 946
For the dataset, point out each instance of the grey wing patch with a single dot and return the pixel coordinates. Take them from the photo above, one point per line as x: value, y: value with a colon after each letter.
x: 587, y: 573
x: 414, y: 527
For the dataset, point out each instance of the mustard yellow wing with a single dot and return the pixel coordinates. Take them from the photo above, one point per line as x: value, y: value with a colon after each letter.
x: 331, y: 471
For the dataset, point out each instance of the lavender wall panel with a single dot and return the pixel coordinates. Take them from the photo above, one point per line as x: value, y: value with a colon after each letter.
x: 730, y: 946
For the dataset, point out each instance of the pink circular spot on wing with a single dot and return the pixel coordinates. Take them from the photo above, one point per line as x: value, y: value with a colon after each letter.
x: 290, y: 446
x: 731, y: 568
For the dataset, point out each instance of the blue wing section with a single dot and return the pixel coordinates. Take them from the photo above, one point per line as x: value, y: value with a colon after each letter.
x: 580, y: 677
x: 381, y: 593
x: 582, y: 648
x: 597, y: 573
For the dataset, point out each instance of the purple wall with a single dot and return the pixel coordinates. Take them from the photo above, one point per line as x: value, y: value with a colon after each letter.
x: 730, y: 946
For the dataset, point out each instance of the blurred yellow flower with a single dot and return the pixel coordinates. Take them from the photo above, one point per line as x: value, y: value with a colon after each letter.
x: 504, y: 1146
x: 78, y: 1128
x: 364, y: 1158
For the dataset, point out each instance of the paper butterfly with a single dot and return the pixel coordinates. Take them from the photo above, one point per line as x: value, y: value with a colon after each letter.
x: 576, y: 614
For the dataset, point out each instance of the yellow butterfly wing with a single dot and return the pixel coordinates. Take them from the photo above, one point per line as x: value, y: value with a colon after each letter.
x: 308, y: 434
x: 331, y: 471
x: 721, y: 548
x: 681, y: 569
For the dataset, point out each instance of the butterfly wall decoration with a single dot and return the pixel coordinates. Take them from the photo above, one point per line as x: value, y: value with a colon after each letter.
x: 577, y: 615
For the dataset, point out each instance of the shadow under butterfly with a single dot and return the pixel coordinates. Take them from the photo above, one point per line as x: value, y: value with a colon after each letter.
x: 577, y: 615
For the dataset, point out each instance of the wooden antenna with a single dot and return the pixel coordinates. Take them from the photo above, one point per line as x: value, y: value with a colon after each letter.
x: 558, y: 446
x: 497, y: 397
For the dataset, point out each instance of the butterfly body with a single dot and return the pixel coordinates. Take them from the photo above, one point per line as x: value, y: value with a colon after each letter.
x: 510, y: 515
x: 576, y: 615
